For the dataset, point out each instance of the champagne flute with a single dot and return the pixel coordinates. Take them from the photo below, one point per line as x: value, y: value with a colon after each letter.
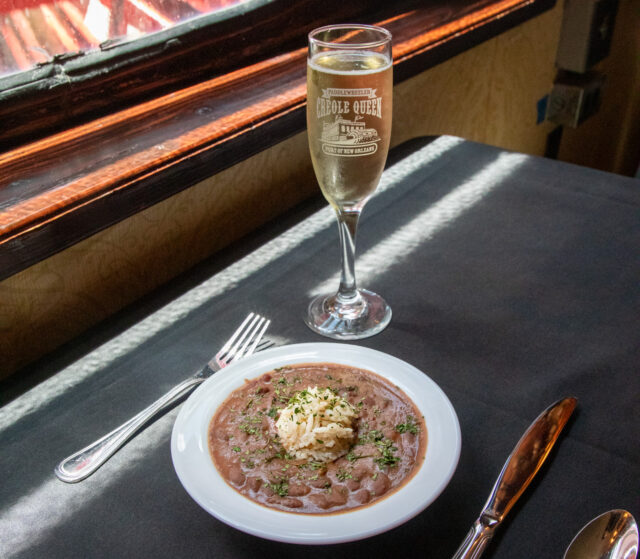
x: 349, y: 106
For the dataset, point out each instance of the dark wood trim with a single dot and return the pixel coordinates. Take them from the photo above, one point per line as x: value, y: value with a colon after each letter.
x: 80, y: 181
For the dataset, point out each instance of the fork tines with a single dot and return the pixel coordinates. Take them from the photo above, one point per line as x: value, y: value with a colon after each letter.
x: 244, y: 340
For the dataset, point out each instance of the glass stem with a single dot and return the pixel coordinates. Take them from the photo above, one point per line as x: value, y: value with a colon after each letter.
x: 348, y: 224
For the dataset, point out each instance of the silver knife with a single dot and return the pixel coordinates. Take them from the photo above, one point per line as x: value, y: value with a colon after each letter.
x: 520, y: 468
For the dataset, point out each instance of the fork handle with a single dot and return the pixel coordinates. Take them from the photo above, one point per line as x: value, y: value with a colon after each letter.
x: 83, y: 463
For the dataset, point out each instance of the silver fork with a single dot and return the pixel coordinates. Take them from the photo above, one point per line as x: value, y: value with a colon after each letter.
x: 244, y: 341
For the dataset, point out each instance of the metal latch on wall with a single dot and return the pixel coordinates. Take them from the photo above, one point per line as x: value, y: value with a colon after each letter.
x: 585, y: 40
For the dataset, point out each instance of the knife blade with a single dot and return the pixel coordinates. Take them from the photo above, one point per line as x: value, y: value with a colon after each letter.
x: 516, y: 475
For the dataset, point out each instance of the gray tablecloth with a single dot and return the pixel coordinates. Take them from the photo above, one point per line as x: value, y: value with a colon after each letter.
x: 514, y: 281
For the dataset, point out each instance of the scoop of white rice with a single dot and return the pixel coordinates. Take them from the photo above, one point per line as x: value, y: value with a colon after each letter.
x: 316, y: 424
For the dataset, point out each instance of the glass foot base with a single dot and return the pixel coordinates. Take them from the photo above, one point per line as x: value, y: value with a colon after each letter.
x: 366, y: 316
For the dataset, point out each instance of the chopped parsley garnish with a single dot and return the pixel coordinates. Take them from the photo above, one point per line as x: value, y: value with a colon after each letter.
x: 384, y: 446
x: 278, y: 455
x: 343, y: 475
x: 409, y: 426
x: 372, y: 436
x: 352, y: 456
x: 236, y: 449
x: 280, y: 488
x: 387, y: 458
x: 247, y: 429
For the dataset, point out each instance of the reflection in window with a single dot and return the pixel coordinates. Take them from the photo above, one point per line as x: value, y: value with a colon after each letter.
x: 34, y: 31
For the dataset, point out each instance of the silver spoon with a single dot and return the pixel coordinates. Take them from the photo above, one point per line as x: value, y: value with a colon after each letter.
x: 612, y: 535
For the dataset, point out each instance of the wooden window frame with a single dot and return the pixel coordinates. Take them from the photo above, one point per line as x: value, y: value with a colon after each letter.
x: 65, y: 186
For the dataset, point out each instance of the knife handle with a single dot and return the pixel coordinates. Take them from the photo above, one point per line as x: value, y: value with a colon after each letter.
x: 477, y: 539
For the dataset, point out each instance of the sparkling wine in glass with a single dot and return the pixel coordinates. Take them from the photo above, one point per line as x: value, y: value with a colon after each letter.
x: 349, y: 107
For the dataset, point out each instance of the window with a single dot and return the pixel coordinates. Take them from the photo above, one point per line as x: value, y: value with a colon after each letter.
x: 78, y: 85
x: 34, y: 31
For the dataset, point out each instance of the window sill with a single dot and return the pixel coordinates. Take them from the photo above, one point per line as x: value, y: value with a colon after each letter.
x: 64, y: 188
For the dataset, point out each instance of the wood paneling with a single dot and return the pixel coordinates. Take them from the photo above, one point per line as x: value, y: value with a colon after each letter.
x: 49, y: 303
x: 488, y: 94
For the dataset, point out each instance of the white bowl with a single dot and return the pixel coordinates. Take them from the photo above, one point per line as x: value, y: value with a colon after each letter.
x: 199, y: 476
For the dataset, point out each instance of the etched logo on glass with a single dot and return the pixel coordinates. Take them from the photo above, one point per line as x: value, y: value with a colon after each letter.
x: 344, y: 136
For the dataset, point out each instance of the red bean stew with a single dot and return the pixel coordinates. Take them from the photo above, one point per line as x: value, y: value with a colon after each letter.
x: 389, y: 444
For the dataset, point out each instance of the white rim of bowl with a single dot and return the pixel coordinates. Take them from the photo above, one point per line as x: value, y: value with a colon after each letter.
x: 228, y: 505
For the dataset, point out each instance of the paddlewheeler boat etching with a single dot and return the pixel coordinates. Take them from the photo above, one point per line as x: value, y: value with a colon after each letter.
x: 348, y: 137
